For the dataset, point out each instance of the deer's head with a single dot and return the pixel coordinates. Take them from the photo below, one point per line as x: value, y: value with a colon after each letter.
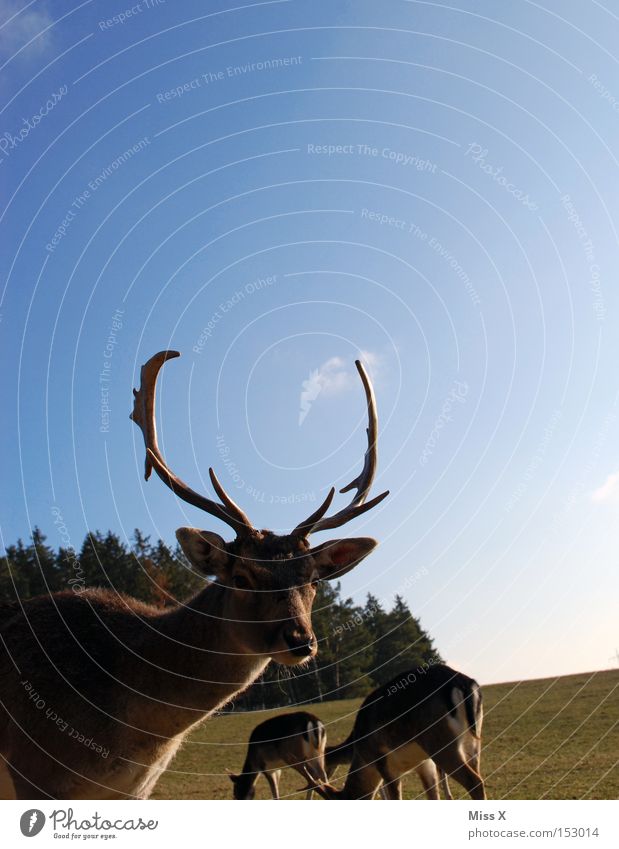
x: 269, y: 580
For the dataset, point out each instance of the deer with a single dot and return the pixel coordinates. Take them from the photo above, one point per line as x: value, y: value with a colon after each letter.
x: 430, y: 775
x: 428, y: 718
x: 295, y: 740
x: 98, y: 690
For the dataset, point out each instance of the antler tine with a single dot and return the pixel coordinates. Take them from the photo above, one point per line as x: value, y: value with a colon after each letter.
x: 362, y: 483
x: 305, y: 527
x: 326, y: 790
x: 229, y: 504
x: 144, y: 416
x: 364, y: 479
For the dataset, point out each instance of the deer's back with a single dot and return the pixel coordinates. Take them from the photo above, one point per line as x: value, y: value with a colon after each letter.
x: 410, y: 707
x: 62, y: 653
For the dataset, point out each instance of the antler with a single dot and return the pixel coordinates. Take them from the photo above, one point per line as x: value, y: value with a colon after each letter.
x: 362, y: 483
x: 326, y: 790
x: 144, y: 416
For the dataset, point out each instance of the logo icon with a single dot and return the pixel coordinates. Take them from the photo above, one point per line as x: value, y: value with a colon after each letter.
x: 32, y: 822
x: 311, y: 389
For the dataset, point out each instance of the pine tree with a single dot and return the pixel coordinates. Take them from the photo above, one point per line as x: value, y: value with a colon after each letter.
x: 15, y: 573
x: 359, y: 647
x: 173, y: 573
x: 401, y: 644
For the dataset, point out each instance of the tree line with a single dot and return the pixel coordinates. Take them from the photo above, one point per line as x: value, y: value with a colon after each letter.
x: 360, y: 646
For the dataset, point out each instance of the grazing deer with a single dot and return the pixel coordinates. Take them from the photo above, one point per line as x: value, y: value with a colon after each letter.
x: 431, y: 776
x: 296, y: 740
x: 98, y: 690
x: 434, y: 713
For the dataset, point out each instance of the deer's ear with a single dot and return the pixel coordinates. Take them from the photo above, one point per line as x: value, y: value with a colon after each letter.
x: 204, y: 550
x: 333, y: 559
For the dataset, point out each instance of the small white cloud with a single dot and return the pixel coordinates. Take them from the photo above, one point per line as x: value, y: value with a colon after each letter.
x: 372, y: 361
x: 608, y: 491
x: 330, y: 378
x: 335, y: 375
x: 21, y: 23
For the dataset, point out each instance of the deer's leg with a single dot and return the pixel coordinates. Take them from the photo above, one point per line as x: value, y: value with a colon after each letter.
x: 272, y: 776
x: 392, y: 785
x: 392, y: 789
x: 428, y: 774
x: 451, y: 761
x: 472, y: 781
x: 7, y: 788
x: 475, y: 758
x: 445, y: 785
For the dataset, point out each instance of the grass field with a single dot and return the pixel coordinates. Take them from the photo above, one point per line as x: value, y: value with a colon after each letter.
x: 553, y: 738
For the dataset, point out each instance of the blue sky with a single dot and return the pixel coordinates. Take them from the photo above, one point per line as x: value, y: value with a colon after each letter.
x: 274, y: 189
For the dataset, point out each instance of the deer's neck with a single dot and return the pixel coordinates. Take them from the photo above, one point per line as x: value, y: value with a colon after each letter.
x: 248, y: 775
x: 362, y: 782
x: 197, y: 663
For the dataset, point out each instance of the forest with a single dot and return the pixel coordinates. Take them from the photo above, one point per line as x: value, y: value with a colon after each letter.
x: 360, y: 646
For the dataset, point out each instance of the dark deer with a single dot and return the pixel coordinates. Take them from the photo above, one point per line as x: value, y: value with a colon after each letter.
x: 430, y: 775
x: 295, y: 740
x: 98, y: 690
x: 430, y: 714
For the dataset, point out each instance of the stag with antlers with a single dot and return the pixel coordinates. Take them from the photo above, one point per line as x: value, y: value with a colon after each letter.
x: 98, y: 690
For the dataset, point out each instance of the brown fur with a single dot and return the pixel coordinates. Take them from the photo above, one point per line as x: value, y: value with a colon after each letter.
x: 98, y: 690
x: 296, y: 740
x: 430, y: 713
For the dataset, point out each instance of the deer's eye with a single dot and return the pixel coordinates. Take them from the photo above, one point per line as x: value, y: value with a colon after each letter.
x: 240, y: 582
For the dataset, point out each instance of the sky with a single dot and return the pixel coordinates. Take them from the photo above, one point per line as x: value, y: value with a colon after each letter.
x: 275, y: 189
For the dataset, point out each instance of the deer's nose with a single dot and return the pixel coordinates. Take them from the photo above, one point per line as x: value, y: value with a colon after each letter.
x: 301, y: 645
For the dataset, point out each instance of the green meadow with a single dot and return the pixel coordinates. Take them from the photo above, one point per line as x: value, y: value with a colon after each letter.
x: 552, y: 738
